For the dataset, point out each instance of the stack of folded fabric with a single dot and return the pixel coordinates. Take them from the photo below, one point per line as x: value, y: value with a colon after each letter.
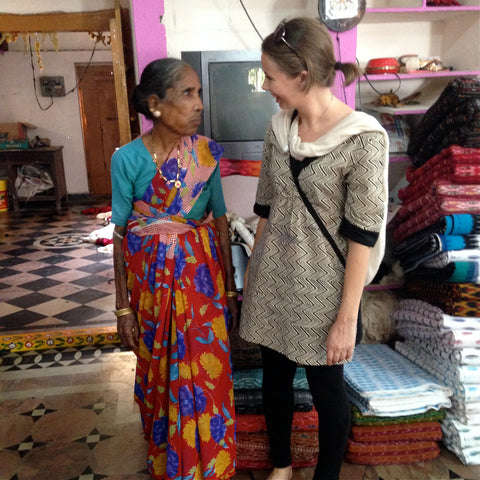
x: 447, y: 184
x: 251, y: 435
x: 252, y: 440
x: 450, y: 242
x: 454, y: 119
x: 447, y: 347
x: 437, y: 227
x: 397, y: 439
x: 395, y: 400
x: 437, y: 243
x: 247, y: 389
x: 460, y: 299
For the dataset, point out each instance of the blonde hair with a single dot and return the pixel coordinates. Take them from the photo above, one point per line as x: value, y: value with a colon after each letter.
x: 305, y: 44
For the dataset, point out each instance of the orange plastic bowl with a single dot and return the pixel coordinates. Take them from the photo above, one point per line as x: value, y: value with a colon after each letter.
x: 382, y: 65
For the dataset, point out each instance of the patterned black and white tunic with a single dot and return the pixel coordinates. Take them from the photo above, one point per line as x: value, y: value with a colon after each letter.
x: 295, y: 278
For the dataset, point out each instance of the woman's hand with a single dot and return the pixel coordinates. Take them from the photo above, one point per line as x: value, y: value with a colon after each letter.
x: 232, y: 303
x: 127, y: 328
x: 341, y: 341
x: 342, y: 335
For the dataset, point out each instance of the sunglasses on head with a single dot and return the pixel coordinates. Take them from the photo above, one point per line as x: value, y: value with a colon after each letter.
x: 279, y: 36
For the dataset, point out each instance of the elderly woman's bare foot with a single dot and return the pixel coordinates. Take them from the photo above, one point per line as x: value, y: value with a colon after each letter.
x: 281, y: 474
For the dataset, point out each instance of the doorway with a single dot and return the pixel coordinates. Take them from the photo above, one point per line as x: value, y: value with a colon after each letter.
x: 98, y: 112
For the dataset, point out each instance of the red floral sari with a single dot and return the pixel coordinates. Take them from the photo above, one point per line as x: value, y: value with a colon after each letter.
x: 175, y: 276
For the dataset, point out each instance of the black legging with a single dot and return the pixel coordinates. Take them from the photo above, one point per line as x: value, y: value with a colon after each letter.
x: 327, y: 387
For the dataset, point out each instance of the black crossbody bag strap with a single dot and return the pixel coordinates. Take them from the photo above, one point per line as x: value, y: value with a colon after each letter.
x: 306, y: 201
x: 314, y: 214
x: 323, y: 228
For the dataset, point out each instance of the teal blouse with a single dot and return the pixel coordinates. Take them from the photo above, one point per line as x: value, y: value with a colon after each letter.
x: 132, y: 171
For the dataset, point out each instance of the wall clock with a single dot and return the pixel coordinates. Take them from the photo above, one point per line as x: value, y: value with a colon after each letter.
x: 341, y: 15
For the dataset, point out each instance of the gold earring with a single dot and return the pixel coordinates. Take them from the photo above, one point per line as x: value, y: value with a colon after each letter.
x: 157, y: 113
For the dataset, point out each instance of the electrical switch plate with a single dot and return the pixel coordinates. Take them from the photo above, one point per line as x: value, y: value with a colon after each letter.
x: 52, y: 86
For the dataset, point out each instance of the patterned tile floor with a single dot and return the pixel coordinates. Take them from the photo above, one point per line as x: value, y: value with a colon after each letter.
x: 68, y: 413
x: 50, y: 279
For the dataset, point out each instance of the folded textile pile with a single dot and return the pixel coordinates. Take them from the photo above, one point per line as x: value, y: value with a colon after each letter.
x: 391, y: 452
x: 447, y: 184
x: 244, y: 354
x: 463, y: 440
x: 448, y: 348
x: 247, y: 390
x: 450, y: 233
x: 382, y: 382
x: 453, y: 119
x: 252, y: 439
x: 457, y: 299
x: 396, y: 408
x: 437, y: 227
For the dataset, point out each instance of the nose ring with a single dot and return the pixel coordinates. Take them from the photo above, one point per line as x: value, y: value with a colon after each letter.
x: 196, y: 108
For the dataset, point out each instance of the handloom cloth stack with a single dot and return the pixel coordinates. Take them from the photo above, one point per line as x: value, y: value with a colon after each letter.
x: 454, y: 119
x: 396, y: 408
x: 447, y: 347
x: 447, y: 184
x: 437, y: 242
x: 251, y: 433
x: 437, y: 228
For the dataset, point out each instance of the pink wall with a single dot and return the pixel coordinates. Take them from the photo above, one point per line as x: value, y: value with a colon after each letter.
x: 149, y: 34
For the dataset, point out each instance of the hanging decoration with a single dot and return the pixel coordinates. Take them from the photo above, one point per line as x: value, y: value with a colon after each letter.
x: 39, y: 41
x: 106, y: 39
x: 341, y: 15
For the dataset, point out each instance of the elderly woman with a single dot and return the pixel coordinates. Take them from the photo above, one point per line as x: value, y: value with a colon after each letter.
x: 175, y: 290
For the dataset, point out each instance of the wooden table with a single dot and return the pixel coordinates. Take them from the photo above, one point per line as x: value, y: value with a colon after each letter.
x: 49, y: 159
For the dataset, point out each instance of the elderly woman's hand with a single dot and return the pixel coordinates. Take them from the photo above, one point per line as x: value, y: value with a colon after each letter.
x: 233, y: 308
x: 127, y: 328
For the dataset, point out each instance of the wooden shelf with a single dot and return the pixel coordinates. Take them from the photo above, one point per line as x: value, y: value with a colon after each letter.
x: 393, y: 286
x: 412, y: 14
x: 418, y: 109
x: 428, y: 95
x: 419, y: 74
x: 399, y: 157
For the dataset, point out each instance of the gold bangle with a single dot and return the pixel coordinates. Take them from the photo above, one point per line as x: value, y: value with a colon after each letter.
x: 123, y: 311
x: 231, y: 294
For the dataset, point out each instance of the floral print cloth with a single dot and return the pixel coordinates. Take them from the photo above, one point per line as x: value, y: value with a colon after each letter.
x: 184, y: 384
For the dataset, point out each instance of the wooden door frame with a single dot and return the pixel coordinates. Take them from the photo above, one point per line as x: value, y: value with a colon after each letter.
x: 96, y: 21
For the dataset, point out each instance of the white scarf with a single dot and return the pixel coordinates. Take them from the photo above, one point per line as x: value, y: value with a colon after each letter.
x: 286, y: 133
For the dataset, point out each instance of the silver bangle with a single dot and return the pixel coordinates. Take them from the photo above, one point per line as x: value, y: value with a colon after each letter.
x: 116, y: 234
